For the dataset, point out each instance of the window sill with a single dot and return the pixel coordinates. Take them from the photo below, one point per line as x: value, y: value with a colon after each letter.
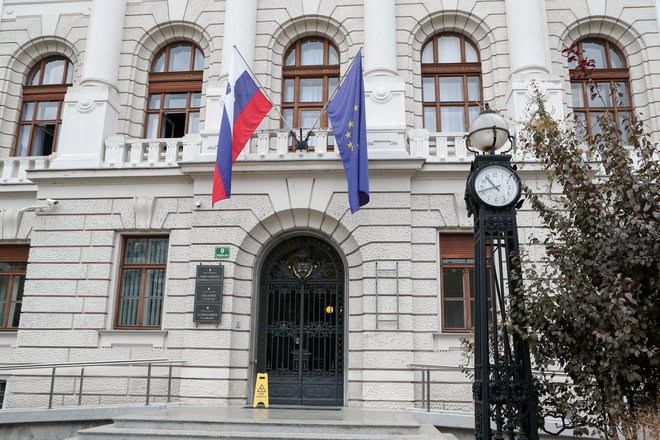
x: 8, y: 338
x: 132, y: 338
x: 450, y: 341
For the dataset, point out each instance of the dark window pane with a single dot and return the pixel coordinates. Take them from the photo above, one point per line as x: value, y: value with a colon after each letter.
x: 452, y: 283
x: 129, y: 302
x: 157, y: 251
x: 4, y: 288
x: 173, y: 126
x: 136, y: 250
x: 454, y: 314
x: 42, y: 139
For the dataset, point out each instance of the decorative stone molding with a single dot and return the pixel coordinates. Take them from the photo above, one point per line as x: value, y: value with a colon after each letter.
x: 11, y: 223
x: 467, y: 23
x: 141, y: 53
x: 144, y: 210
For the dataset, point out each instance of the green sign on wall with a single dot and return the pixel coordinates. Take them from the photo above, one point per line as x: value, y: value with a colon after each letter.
x: 222, y: 252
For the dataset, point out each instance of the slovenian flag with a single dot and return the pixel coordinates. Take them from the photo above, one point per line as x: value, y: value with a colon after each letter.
x: 245, y: 108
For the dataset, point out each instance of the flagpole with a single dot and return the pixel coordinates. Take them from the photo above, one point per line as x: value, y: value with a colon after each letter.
x: 341, y: 80
x: 263, y: 88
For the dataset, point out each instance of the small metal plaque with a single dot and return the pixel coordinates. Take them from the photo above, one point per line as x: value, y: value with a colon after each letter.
x: 222, y: 252
x: 208, y: 294
x: 207, y: 312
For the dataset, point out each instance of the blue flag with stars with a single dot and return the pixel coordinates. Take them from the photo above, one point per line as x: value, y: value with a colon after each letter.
x: 348, y: 118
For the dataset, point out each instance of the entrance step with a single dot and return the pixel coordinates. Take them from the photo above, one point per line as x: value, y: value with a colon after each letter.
x: 202, y: 423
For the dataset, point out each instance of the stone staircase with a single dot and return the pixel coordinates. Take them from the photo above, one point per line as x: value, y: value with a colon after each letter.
x: 202, y: 423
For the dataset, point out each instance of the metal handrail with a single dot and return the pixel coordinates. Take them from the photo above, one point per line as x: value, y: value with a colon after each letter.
x: 90, y: 364
x: 128, y: 362
x: 426, y: 377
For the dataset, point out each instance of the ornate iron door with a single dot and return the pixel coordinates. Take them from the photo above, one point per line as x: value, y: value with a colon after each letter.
x: 301, y: 325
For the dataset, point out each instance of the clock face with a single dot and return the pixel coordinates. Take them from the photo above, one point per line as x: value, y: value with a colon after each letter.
x: 496, y: 186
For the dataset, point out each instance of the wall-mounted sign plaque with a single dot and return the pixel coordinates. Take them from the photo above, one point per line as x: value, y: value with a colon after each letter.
x: 208, y: 294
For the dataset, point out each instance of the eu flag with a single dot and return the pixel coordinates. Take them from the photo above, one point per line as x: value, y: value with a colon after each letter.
x: 348, y: 119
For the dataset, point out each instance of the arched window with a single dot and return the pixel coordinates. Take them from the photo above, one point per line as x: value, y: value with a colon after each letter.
x: 175, y: 91
x: 41, y: 115
x: 451, y: 83
x: 310, y: 77
x: 612, y: 87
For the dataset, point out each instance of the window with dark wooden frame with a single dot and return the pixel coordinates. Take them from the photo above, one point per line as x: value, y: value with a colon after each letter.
x: 175, y: 91
x: 309, y: 78
x: 451, y: 83
x: 13, y: 264
x: 141, y: 282
x: 457, y: 282
x: 612, y: 88
x: 41, y: 114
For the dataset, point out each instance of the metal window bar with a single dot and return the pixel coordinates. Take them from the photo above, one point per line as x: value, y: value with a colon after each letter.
x: 137, y: 362
x: 395, y: 271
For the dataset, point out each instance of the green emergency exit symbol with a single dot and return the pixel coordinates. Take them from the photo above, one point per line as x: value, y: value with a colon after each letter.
x: 222, y: 252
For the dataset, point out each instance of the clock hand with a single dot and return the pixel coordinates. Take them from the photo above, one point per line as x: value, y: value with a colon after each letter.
x: 491, y: 187
x: 491, y: 182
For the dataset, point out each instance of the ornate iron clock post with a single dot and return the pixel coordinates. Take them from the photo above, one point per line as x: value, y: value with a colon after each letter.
x: 505, y: 404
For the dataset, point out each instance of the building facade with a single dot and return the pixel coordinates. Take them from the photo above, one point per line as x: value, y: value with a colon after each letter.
x: 112, y: 109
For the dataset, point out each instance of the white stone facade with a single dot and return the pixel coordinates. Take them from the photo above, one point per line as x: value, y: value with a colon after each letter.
x: 111, y: 183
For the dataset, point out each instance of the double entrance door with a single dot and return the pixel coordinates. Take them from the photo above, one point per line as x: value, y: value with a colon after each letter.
x: 301, y: 325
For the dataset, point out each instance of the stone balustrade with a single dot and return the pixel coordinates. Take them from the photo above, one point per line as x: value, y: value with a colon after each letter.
x: 14, y: 169
x: 439, y: 147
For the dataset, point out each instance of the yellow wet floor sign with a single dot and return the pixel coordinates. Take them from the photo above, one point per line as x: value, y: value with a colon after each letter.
x: 261, y: 390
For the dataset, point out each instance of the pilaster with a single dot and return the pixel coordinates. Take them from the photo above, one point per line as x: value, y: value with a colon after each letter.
x: 240, y: 28
x: 529, y: 57
x: 384, y: 88
x: 91, y: 110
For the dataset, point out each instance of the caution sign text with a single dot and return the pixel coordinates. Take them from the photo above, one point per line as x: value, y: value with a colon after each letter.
x: 261, y: 390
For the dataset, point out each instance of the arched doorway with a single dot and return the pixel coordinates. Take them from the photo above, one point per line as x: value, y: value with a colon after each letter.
x: 300, y: 341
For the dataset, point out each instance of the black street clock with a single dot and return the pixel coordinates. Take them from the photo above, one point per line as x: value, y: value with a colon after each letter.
x: 505, y: 404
